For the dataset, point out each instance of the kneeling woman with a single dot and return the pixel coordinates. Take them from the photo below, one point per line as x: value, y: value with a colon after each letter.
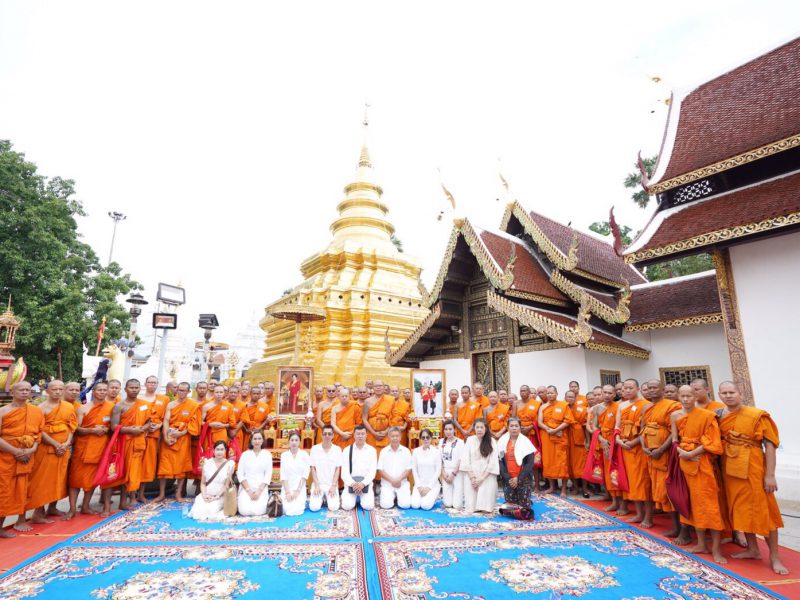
x: 426, y: 466
x: 255, y: 473
x: 516, y: 464
x: 480, y: 466
x: 295, y: 466
x: 216, y: 478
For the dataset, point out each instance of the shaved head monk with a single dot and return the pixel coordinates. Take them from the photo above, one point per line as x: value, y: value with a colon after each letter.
x: 377, y: 414
x: 671, y: 392
x: 158, y: 406
x: 605, y: 419
x: 181, y: 422
x: 554, y: 419
x: 467, y: 410
x: 630, y: 423
x: 703, y: 400
x: 72, y: 394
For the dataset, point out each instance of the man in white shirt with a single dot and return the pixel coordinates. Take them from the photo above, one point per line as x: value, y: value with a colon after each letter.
x: 326, y: 462
x: 394, y: 465
x: 364, y: 461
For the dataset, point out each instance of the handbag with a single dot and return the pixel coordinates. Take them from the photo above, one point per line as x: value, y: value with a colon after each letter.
x: 516, y: 511
x: 593, y: 470
x: 356, y: 478
x: 112, y: 464
x: 230, y: 501
x: 274, y: 505
x: 677, y: 488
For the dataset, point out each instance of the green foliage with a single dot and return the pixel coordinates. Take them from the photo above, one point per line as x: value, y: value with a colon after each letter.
x: 688, y: 265
x: 397, y: 243
x: 634, y: 181
x: 59, y: 290
x: 437, y: 385
x: 604, y: 228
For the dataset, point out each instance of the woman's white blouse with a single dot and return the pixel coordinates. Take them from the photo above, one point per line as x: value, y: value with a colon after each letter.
x: 255, y: 469
x: 426, y: 466
x: 294, y: 468
x: 452, y: 453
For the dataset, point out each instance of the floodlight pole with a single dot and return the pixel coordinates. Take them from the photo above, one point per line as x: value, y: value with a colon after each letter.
x: 162, y: 357
x: 117, y: 217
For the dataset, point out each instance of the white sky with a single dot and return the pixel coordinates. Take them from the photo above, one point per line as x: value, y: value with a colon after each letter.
x: 225, y: 131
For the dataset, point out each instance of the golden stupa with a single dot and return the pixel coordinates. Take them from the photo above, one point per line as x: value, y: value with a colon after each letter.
x: 353, y: 292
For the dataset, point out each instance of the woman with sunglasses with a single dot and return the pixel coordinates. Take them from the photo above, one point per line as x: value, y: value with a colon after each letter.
x: 481, y: 468
x: 452, y: 449
x: 426, y: 466
x: 516, y: 464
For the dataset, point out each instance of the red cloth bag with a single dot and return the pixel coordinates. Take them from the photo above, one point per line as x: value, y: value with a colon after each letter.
x: 111, y: 467
x: 234, y: 450
x: 677, y: 488
x: 204, y: 450
x: 535, y: 439
x: 616, y: 471
x: 593, y: 471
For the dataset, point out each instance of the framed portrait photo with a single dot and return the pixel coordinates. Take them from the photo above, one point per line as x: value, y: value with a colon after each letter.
x: 294, y: 390
x: 430, y: 392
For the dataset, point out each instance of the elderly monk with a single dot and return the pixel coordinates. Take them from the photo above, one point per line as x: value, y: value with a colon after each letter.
x: 20, y: 433
x: 48, y: 483
x: 578, y: 441
x: 181, y: 422
x: 114, y: 388
x: 467, y: 410
x: 257, y: 415
x: 496, y: 415
x: 346, y: 415
x: 656, y: 444
x: 671, y: 392
x: 696, y: 432
x: 91, y: 437
x: 630, y: 418
x: 158, y: 406
x: 400, y: 414
x: 527, y: 411
x: 554, y: 420
x: 605, y: 419
x: 376, y: 415
x: 72, y: 394
x: 132, y: 416
x: 478, y: 394
x: 319, y: 395
x: 324, y: 408
x: 749, y: 439
x: 700, y: 388
x: 452, y: 401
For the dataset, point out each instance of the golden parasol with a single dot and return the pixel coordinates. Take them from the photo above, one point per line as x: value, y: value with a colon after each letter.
x: 299, y: 313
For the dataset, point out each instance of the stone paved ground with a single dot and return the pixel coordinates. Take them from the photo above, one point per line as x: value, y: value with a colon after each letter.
x: 790, y: 534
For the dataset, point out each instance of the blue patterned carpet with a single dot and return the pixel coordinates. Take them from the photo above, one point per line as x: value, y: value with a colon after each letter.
x: 569, y: 551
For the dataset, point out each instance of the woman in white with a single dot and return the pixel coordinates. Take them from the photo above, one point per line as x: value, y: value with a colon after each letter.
x: 481, y: 467
x: 426, y: 466
x: 452, y: 448
x: 295, y: 466
x: 255, y: 473
x: 216, y: 478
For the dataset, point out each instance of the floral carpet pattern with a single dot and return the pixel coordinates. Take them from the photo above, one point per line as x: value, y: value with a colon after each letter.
x: 570, y: 551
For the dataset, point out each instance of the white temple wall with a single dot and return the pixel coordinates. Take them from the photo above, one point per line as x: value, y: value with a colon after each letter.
x: 548, y: 367
x: 766, y: 274
x: 597, y: 361
x: 458, y: 371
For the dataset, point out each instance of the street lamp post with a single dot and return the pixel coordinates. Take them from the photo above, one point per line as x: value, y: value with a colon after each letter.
x: 117, y: 217
x: 208, y: 323
x: 137, y: 301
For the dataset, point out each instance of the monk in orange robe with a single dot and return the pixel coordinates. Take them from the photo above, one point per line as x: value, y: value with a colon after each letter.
x: 467, y: 410
x: 91, y: 437
x: 181, y: 422
x: 452, y: 400
x: 400, y: 415
x: 132, y: 415
x: 219, y: 415
x: 700, y: 388
x: 527, y: 411
x: 114, y: 388
x: 72, y: 394
x: 324, y: 408
x: 20, y: 434
x: 48, y: 483
x: 257, y: 415
x: 158, y: 406
x: 346, y: 414
x: 697, y: 433
x: 575, y: 388
x: 750, y: 438
x: 554, y: 420
x: 578, y: 441
x: 606, y: 421
x: 376, y: 415
x: 240, y: 415
x: 478, y: 394
x: 629, y: 425
x: 496, y: 415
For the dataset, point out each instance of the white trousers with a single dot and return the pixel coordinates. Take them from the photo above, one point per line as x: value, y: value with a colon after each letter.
x: 367, y: 500
x: 453, y: 493
x: 427, y: 501
x: 297, y: 506
x: 389, y: 493
x: 315, y: 502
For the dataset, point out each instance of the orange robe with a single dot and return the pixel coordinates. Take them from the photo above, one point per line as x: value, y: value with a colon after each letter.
x: 700, y: 428
x: 484, y: 400
x: 378, y: 417
x: 580, y: 400
x: 577, y: 439
x: 400, y: 412
x: 713, y: 405
x: 136, y: 416
x: 656, y: 431
x: 346, y: 419
x: 529, y: 414
x: 176, y: 460
x: 630, y: 426
x: 150, y: 460
x: 607, y: 422
x: 221, y: 413
x: 555, y: 453
x: 49, y: 476
x: 88, y: 449
x: 257, y: 415
x: 22, y: 429
x: 496, y: 417
x: 241, y: 414
x: 750, y: 508
x: 272, y: 405
x: 467, y: 413
x: 326, y: 419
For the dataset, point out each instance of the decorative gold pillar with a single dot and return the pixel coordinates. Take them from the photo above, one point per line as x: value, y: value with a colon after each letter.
x: 733, y: 324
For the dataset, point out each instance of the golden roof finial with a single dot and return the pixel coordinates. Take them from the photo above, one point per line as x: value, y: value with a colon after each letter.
x: 363, y: 159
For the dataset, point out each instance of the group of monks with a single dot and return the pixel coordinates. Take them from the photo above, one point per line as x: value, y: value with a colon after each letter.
x: 726, y: 450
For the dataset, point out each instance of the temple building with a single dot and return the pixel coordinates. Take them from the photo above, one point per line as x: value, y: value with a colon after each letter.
x: 352, y: 292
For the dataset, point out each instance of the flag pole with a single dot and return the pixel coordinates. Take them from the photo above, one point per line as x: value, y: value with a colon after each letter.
x: 100, y: 336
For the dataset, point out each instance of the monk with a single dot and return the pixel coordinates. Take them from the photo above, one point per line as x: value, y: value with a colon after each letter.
x: 240, y: 414
x: 527, y: 411
x: 158, y: 406
x: 630, y: 417
x: 496, y: 415
x: 575, y: 388
x: 257, y: 414
x: 467, y: 410
x: 401, y: 411
x: 452, y: 400
x: 324, y: 408
x: 697, y: 433
x: 181, y: 422
x: 114, y: 388
x: 91, y: 437
x: 346, y: 415
x: 132, y: 415
x: 271, y: 401
x: 502, y: 396
x: 319, y: 394
x: 656, y: 444
x: 21, y: 427
x: 376, y: 415
x: 578, y: 442
x: 700, y: 388
x: 72, y: 394
x: 671, y: 392
x: 477, y: 391
x: 749, y: 439
x: 200, y: 391
x: 553, y: 422
x: 48, y: 482
x: 605, y: 419
x: 541, y: 393
x: 219, y: 415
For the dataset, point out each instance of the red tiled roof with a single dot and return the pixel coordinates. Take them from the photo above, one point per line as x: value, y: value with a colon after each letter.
x: 594, y: 256
x: 751, y: 106
x: 750, y: 205
x: 529, y: 276
x: 675, y: 299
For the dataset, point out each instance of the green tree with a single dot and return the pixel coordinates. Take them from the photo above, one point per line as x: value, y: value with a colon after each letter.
x: 604, y: 228
x: 59, y: 290
x: 634, y: 182
x: 688, y: 265
x: 398, y: 243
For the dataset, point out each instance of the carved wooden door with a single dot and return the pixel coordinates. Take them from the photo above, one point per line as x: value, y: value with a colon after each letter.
x: 491, y: 369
